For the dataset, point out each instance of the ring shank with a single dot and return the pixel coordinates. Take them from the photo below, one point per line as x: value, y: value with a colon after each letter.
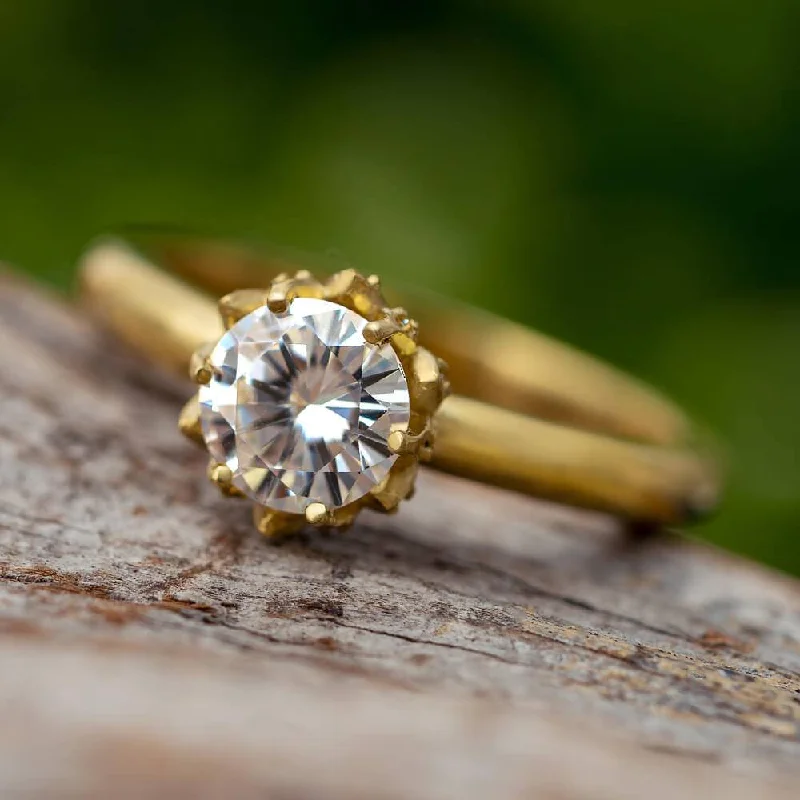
x: 541, y: 418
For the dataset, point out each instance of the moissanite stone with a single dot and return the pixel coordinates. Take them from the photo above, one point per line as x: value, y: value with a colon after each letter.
x: 300, y: 406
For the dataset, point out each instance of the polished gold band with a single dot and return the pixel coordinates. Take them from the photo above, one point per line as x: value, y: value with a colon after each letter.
x: 528, y: 413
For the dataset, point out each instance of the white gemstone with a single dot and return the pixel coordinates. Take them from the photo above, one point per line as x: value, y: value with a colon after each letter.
x: 301, y: 406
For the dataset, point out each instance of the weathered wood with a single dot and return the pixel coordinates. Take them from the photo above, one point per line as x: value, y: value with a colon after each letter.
x: 477, y: 644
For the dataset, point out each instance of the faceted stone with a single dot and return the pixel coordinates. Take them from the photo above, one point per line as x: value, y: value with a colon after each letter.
x: 300, y: 406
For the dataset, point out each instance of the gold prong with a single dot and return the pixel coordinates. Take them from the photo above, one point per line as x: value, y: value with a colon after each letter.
x: 278, y: 305
x: 239, y: 304
x: 317, y: 514
x: 279, y: 295
x: 278, y: 300
x: 200, y: 369
x: 396, y: 325
x: 221, y: 475
x: 189, y: 421
x: 380, y: 330
x: 352, y: 289
x: 398, y: 442
x: 427, y: 385
x: 405, y: 443
x: 284, y: 290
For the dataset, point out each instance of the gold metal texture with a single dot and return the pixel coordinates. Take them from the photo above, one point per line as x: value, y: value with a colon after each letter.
x: 527, y: 413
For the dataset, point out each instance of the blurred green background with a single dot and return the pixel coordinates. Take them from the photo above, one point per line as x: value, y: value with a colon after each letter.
x: 621, y: 174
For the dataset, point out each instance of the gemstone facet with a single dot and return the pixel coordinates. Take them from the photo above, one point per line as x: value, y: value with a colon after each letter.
x: 300, y: 406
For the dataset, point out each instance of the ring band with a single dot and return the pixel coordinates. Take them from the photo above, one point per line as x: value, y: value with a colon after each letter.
x: 528, y: 413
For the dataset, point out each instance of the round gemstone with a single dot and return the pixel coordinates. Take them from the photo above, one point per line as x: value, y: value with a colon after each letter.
x: 300, y: 406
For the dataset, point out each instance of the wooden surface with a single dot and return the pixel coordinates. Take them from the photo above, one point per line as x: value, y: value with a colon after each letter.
x: 478, y: 644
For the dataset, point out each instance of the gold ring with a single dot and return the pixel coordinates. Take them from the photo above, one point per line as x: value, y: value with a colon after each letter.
x: 317, y: 398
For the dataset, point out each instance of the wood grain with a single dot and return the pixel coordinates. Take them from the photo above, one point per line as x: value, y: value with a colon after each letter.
x: 478, y: 644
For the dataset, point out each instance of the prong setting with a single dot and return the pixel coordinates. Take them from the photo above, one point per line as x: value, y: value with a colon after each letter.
x: 200, y: 369
x: 404, y: 443
x: 386, y: 326
x: 396, y: 326
x: 285, y: 289
x: 317, y: 514
x: 278, y: 302
x: 222, y: 476
x: 239, y: 304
